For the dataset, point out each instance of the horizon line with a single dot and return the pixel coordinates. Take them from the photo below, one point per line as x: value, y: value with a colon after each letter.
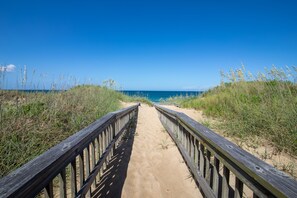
x: 114, y: 89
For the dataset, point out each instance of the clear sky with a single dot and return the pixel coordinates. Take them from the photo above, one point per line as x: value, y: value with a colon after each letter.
x: 144, y: 44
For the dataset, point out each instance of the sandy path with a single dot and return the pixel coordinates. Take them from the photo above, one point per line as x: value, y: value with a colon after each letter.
x: 156, y: 168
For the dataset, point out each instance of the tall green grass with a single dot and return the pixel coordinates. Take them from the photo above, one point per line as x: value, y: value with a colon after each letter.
x: 31, y: 123
x: 263, y: 105
x: 137, y: 99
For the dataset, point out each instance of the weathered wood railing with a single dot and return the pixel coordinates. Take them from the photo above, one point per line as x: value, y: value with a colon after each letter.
x: 220, y: 168
x: 73, y: 167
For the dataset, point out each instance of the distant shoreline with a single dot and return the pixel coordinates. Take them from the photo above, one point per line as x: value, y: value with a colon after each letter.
x: 158, y: 96
x: 152, y: 95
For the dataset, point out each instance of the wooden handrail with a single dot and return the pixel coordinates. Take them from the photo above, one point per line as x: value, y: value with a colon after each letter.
x: 214, y: 161
x: 86, y: 152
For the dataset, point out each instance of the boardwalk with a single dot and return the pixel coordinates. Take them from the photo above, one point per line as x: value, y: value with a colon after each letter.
x: 129, y: 154
x: 149, y: 164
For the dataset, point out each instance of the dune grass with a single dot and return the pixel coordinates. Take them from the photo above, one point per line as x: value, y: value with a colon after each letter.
x: 264, y: 105
x: 31, y: 123
x: 138, y: 99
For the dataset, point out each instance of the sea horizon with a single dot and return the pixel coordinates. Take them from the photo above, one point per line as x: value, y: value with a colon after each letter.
x: 158, y: 96
x: 152, y: 95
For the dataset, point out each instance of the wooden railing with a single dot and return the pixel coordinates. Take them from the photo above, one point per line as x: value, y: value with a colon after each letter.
x: 220, y: 168
x: 73, y: 167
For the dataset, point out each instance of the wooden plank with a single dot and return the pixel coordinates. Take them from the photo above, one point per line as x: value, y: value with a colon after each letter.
x: 104, y: 144
x: 255, y: 195
x: 178, y: 132
x: 189, y: 144
x: 207, y: 167
x: 73, y: 179
x: 256, y: 174
x: 108, y: 141
x: 118, y: 126
x: 49, y: 190
x: 101, y: 152
x: 87, y: 167
x: 97, y: 157
x: 109, y: 134
x: 113, y: 134
x: 112, y: 137
x: 238, y: 188
x: 198, y: 147
x: 215, y: 182
x: 182, y: 137
x: 87, y: 161
x: 81, y: 169
x: 93, y: 162
x: 196, y: 143
x: 192, y: 148
x: 185, y: 139
x: 202, y: 161
x: 62, y: 184
x: 225, y: 184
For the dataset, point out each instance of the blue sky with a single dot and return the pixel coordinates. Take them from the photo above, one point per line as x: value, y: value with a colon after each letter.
x: 144, y: 45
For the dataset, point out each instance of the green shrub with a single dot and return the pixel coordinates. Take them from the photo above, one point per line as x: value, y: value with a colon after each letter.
x: 33, y: 109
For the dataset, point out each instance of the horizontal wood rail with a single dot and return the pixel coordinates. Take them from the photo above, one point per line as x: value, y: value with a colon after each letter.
x: 221, y: 168
x: 73, y: 167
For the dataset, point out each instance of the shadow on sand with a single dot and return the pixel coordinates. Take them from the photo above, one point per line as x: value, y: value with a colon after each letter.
x: 113, y: 178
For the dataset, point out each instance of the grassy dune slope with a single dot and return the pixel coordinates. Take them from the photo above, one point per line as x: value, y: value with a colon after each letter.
x: 265, y: 107
x: 31, y: 123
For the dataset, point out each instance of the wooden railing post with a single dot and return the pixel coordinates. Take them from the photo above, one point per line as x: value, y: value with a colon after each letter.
x: 92, y: 147
x: 205, y: 152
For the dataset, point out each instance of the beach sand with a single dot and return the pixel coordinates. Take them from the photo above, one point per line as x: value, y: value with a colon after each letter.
x: 156, y: 168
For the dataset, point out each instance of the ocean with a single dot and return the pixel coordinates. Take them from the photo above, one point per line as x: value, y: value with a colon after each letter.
x: 154, y: 96
x: 157, y: 96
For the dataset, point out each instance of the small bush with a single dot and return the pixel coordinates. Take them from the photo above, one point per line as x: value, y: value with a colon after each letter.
x: 33, y: 109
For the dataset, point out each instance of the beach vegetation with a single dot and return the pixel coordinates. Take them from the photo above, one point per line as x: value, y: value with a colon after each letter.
x: 31, y: 121
x: 262, y: 105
